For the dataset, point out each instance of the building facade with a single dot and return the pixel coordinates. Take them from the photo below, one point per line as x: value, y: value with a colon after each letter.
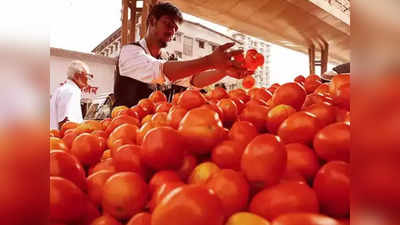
x: 194, y: 40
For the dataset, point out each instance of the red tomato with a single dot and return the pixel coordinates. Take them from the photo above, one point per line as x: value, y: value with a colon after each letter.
x: 291, y: 94
x: 244, y: 218
x: 232, y: 189
x: 332, y: 185
x: 96, y: 183
x: 147, y: 105
x: 248, y: 82
x: 292, y: 176
x: 300, y: 79
x: 105, y: 220
x: 126, y: 131
x: 175, y: 116
x: 160, y: 119
x: 191, y: 99
x: 227, y: 154
x: 162, y: 191
x: 311, y: 85
x: 163, y: 177
x: 264, y: 160
x: 260, y: 94
x: 107, y: 164
x: 192, y: 204
x: 57, y: 144
x: 157, y: 96
x: 338, y: 81
x: 277, y: 115
x: 304, y: 219
x: 323, y: 90
x: 251, y: 59
x: 163, y: 148
x: 219, y: 93
x: 202, y: 130
x: 326, y: 114
x: 302, y: 159
x: 188, y: 165
x: 299, y: 127
x: 119, y: 120
x: 284, y: 198
x: 255, y: 114
x: 63, y: 164
x: 124, y: 195
x: 139, y: 111
x: 67, y: 201
x: 140, y: 219
x: 146, y: 127
x: 127, y: 112
x: 240, y: 94
x: 333, y: 142
x: 229, y: 111
x: 86, y: 148
x: 163, y: 107
x: 127, y: 159
x: 202, y: 173
x: 243, y: 131
x: 239, y: 103
x: 342, y: 96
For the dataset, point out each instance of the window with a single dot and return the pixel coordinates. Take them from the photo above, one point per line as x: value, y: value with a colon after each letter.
x: 178, y: 54
x: 201, y: 44
x: 188, y: 46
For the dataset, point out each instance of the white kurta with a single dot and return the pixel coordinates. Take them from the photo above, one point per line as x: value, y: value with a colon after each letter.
x: 65, y: 102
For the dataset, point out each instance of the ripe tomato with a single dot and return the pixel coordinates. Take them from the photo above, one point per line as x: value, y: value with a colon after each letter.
x: 139, y: 111
x: 202, y: 173
x: 311, y: 85
x: 57, y: 144
x: 127, y: 158
x: 175, y: 98
x: 126, y: 131
x: 229, y: 111
x: 332, y: 185
x: 107, y: 164
x: 106, y: 155
x: 147, y: 105
x: 69, y: 137
x: 202, y: 130
x: 300, y: 79
x: 291, y: 94
x: 227, y: 154
x: 338, y: 81
x: 195, y: 205
x: 86, y: 148
x: 290, y: 197
x: 240, y: 94
x: 191, y: 99
x: 163, y: 148
x: 219, y: 93
x: 143, y: 218
x: 302, y: 159
x: 277, y: 115
x: 248, y: 82
x: 292, y: 176
x: 264, y: 160
x: 313, y: 77
x: 239, y: 103
x: 124, y: 194
x: 299, y: 127
x: 244, y: 218
x: 96, y: 183
x: 188, y: 165
x: 255, y: 114
x: 63, y: 164
x: 66, y: 126
x: 304, y: 218
x: 163, y: 177
x: 333, y: 142
x: 260, y: 94
x: 342, y: 96
x: 146, y: 127
x: 175, y: 115
x: 119, y: 120
x: 116, y: 109
x: 243, y: 132
x: 127, y: 112
x: 67, y: 201
x: 160, y: 119
x: 325, y: 113
x: 157, y: 96
x: 105, y: 220
x: 162, y: 191
x: 54, y: 133
x: 323, y: 90
x: 163, y: 107
x: 232, y: 189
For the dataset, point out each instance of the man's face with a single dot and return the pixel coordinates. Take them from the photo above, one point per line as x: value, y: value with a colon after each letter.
x: 82, y: 79
x: 165, y: 29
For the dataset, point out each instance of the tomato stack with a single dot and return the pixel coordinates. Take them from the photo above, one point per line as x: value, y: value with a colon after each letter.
x: 277, y: 155
x: 250, y: 62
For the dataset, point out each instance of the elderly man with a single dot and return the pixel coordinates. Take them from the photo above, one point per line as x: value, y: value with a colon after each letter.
x: 143, y: 67
x: 65, y: 103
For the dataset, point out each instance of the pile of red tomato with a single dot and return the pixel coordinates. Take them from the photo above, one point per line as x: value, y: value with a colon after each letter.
x: 277, y: 155
x: 251, y: 62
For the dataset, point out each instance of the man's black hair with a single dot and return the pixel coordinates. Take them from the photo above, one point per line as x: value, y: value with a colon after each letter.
x: 165, y: 9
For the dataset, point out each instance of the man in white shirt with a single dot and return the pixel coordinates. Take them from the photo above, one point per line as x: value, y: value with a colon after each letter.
x: 65, y: 103
x: 141, y: 66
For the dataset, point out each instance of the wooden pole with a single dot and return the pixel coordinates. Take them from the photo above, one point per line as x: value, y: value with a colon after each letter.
x: 324, y: 57
x: 311, y: 59
x: 147, y: 4
x: 124, y: 29
x: 132, y: 30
